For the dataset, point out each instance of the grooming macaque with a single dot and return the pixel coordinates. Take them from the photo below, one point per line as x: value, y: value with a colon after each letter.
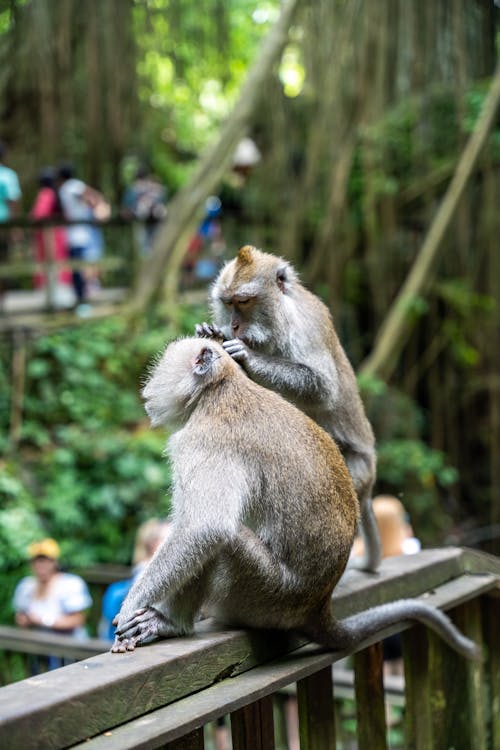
x: 283, y: 337
x: 264, y: 514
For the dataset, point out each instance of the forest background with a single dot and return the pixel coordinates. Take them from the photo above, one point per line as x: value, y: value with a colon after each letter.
x: 361, y: 121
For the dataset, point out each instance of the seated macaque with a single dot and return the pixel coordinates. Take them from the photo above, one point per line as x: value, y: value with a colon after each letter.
x: 264, y: 514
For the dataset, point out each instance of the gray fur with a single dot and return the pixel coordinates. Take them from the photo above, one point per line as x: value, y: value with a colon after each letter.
x: 286, y: 341
x: 264, y: 513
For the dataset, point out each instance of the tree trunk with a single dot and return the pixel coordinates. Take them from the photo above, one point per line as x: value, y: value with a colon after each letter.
x: 213, y: 165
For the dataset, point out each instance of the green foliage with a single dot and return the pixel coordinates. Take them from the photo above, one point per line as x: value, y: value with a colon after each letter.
x: 88, y: 469
x: 468, y: 311
x: 406, y: 465
x: 190, y: 68
x: 417, y: 474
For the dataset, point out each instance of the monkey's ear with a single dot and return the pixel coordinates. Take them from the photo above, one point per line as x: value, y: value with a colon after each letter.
x: 282, y: 276
x: 203, y: 361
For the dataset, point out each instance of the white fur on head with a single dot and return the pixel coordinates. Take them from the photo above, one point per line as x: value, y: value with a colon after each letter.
x: 178, y: 378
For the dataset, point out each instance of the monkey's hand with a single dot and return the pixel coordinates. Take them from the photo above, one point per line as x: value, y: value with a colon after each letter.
x: 143, y: 626
x: 238, y: 350
x: 209, y: 331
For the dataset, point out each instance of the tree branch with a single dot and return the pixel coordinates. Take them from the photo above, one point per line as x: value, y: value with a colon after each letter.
x: 213, y: 164
x: 396, y: 327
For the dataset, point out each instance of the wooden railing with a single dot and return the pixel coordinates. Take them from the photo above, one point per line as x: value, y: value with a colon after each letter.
x: 162, y: 695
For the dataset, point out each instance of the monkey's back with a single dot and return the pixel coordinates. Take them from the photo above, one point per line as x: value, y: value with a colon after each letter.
x: 297, y: 486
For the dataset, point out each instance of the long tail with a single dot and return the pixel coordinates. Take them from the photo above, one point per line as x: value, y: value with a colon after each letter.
x: 351, y: 631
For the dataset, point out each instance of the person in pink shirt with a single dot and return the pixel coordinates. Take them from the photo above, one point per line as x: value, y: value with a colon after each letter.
x: 51, y: 241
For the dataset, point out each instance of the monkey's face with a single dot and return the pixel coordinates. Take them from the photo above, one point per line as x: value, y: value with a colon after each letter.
x: 248, y: 296
x: 179, y: 377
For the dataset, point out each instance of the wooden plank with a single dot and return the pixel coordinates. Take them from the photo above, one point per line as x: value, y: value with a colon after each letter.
x: 49, y: 644
x: 192, y: 741
x: 370, y: 706
x: 491, y: 620
x: 154, y: 729
x: 93, y: 696
x: 468, y: 618
x: 455, y: 690
x: 252, y: 727
x: 316, y: 711
x: 418, y: 722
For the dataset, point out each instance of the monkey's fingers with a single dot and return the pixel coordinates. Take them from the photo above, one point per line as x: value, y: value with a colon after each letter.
x: 209, y: 331
x: 121, y: 647
x: 236, y: 348
x: 136, y: 617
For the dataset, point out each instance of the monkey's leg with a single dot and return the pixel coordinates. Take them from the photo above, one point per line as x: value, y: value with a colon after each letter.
x: 176, y: 618
x: 251, y: 587
x: 362, y: 470
x: 180, y: 560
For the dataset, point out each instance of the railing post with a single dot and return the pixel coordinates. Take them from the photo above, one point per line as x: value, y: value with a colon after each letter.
x: 316, y: 711
x: 370, y: 706
x: 491, y: 618
x: 252, y: 727
x: 192, y: 741
x: 456, y: 688
x: 418, y: 722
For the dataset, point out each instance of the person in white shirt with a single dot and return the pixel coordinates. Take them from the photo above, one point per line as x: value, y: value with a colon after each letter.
x: 50, y: 599
x: 80, y: 202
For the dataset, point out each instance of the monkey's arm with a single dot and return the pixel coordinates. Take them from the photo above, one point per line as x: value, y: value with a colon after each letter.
x: 294, y: 379
x: 206, y: 517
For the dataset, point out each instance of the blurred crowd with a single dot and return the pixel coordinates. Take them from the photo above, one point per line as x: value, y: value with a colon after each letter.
x: 68, y: 256
x: 75, y: 249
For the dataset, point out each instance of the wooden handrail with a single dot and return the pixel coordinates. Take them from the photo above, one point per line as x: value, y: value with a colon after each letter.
x: 43, y: 643
x: 162, y: 691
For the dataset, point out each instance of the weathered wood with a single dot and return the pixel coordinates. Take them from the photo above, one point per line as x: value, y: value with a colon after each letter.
x: 104, y: 574
x: 370, y: 707
x: 418, y: 723
x: 252, y: 727
x: 192, y: 741
x: 455, y: 692
x: 468, y: 618
x: 49, y: 644
x: 316, y: 711
x: 158, y: 727
x: 491, y: 620
x: 94, y: 696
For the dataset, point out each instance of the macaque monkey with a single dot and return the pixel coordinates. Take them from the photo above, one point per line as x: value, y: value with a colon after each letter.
x: 264, y: 514
x: 283, y: 337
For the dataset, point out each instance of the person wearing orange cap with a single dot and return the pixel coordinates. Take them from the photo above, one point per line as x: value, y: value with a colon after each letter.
x: 51, y: 599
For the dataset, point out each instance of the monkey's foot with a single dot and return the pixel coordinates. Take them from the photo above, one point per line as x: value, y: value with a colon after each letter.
x: 145, y: 625
x: 209, y: 331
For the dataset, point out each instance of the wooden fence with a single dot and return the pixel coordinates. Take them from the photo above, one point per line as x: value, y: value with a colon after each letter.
x: 161, y: 695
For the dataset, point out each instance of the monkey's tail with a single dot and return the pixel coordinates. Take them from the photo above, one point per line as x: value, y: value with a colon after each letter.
x: 349, y: 632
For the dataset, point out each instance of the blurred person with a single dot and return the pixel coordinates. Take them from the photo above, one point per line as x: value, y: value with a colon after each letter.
x: 10, y: 196
x: 81, y: 202
x: 145, y: 201
x: 203, y: 258
x: 149, y: 536
x: 50, y: 600
x: 51, y: 242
